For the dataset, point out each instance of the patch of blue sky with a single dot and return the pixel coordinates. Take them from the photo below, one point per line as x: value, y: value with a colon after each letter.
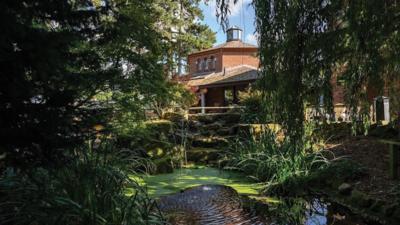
x: 242, y: 15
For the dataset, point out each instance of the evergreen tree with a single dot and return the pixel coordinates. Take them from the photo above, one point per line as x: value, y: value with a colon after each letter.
x: 68, y: 65
x: 57, y: 55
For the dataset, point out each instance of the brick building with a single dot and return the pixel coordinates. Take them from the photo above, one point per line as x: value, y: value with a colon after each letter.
x: 217, y: 74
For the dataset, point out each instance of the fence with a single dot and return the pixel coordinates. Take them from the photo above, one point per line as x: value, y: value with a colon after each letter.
x: 212, y: 109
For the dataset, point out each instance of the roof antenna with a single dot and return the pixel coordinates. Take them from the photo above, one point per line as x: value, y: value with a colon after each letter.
x: 243, y: 21
x: 244, y: 28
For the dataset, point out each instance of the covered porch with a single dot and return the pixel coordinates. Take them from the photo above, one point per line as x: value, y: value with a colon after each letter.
x: 219, y: 92
x: 217, y: 99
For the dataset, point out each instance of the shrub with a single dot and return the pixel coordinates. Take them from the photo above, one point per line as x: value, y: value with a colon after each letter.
x: 89, y: 190
x: 255, y: 108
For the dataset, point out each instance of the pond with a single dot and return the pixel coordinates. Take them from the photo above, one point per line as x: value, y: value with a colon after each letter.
x: 208, y: 196
x: 180, y: 179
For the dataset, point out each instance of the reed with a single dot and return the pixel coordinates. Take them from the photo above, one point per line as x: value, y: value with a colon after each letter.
x: 279, y: 164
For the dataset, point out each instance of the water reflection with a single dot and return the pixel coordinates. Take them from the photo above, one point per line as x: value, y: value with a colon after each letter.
x: 221, y: 205
x: 207, y: 205
x: 310, y: 212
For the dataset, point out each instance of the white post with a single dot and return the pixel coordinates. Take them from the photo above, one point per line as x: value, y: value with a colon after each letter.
x: 203, y: 103
x: 386, y: 109
x: 374, y: 111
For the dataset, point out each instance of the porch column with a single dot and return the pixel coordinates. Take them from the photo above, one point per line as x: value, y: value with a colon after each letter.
x: 203, y: 102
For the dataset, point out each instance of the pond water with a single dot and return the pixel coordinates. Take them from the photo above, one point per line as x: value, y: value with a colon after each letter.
x: 208, y: 196
x: 180, y: 179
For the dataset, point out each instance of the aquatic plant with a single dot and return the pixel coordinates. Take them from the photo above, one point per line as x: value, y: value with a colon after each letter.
x: 280, y: 164
x: 89, y: 190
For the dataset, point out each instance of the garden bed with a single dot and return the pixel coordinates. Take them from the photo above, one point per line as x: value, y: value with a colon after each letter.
x: 373, y: 157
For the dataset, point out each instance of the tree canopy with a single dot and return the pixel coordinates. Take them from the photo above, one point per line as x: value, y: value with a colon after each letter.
x: 69, y: 65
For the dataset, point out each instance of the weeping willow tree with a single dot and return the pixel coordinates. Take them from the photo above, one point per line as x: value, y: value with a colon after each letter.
x: 367, y: 46
x: 293, y: 56
x: 302, y: 42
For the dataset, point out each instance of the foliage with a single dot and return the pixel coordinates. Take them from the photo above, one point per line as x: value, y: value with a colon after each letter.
x: 182, y: 32
x: 88, y: 190
x: 298, y: 66
x: 280, y: 164
x: 56, y: 56
x: 345, y: 170
x: 255, y: 109
x: 161, y: 141
x: 176, y: 97
x: 367, y: 45
x: 67, y: 68
x: 295, y: 69
x: 69, y: 65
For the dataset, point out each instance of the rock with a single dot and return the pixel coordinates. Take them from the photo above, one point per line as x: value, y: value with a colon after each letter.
x: 214, y: 126
x: 155, y: 127
x: 210, y: 142
x: 203, y: 118
x: 194, y: 124
x: 164, y: 165
x: 174, y: 117
x: 225, y: 131
x: 226, y: 118
x: 231, y: 118
x: 202, y: 155
x: 345, y: 189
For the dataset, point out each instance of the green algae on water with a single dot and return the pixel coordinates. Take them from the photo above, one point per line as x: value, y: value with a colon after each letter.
x: 180, y: 179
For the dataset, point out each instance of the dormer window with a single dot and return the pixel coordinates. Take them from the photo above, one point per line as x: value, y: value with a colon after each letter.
x: 198, y: 64
x: 209, y: 63
x: 213, y: 62
x: 205, y: 61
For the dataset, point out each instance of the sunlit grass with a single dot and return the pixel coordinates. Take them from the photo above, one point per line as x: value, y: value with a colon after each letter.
x: 181, y: 179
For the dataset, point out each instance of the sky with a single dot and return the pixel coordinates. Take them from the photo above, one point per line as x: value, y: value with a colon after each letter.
x: 242, y: 15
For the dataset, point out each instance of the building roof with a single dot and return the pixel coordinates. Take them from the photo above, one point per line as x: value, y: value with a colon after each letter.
x: 230, y: 75
x: 229, y: 44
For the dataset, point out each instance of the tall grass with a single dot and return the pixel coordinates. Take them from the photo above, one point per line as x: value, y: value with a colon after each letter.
x: 281, y: 165
x: 89, y: 190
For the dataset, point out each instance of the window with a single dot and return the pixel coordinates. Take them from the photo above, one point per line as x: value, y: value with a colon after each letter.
x: 213, y: 61
x: 205, y: 62
x: 198, y: 64
x: 209, y: 63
